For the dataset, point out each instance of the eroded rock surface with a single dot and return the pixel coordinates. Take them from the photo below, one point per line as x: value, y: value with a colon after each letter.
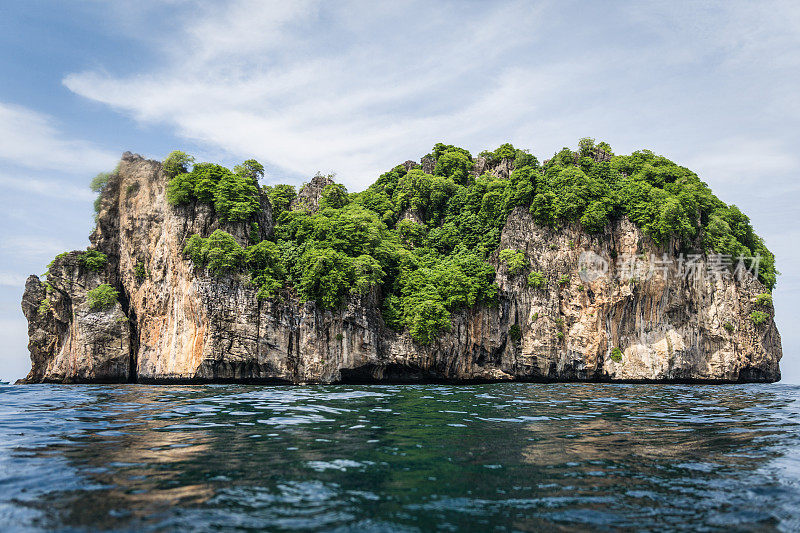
x: 176, y: 323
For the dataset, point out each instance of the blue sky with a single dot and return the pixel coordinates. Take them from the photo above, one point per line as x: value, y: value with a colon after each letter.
x: 355, y: 87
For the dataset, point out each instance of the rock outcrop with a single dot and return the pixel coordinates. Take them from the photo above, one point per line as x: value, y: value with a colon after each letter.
x: 176, y: 323
x: 311, y: 193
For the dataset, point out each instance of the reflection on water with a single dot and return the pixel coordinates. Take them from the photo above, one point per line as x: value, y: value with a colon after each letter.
x: 510, y: 457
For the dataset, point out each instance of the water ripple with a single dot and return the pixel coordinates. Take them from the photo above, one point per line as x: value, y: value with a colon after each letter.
x: 400, y: 458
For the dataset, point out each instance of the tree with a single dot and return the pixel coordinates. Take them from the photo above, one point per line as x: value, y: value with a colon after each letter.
x: 180, y: 189
x: 177, y: 162
x: 334, y: 195
x: 281, y: 197
x: 325, y: 277
x: 586, y: 147
x: 506, y: 151
x: 236, y: 197
x: 250, y: 169
x: 219, y: 252
x: 536, y: 279
x: 454, y: 164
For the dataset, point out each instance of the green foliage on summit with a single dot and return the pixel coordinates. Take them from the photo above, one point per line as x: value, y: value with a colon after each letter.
x: 234, y: 195
x: 665, y: 200
x: 420, y: 244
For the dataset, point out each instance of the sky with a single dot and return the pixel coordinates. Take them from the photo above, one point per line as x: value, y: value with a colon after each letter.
x: 358, y: 87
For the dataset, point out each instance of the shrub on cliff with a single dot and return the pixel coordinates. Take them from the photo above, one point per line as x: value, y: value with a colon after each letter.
x: 100, y: 181
x: 93, y: 260
x: 425, y: 316
x: 44, y: 306
x: 536, y: 279
x: 514, y: 260
x: 616, y: 355
x: 439, y: 285
x: 102, y: 297
x: 764, y: 299
x: 98, y: 185
x: 758, y: 317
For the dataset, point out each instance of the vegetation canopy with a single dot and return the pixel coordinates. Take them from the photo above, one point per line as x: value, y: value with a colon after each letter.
x: 422, y: 243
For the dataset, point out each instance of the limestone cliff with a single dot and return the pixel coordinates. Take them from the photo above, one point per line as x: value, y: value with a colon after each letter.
x: 174, y: 322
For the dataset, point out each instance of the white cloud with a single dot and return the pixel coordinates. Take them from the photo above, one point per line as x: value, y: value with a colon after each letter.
x: 12, y: 279
x: 30, y: 140
x: 51, y: 188
x: 349, y: 93
x: 31, y: 248
x: 742, y: 160
x: 356, y: 88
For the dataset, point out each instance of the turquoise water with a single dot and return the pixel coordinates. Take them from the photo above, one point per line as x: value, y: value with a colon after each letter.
x: 500, y: 457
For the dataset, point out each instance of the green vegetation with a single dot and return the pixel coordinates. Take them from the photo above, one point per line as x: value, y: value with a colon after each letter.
x: 177, y: 162
x: 536, y: 279
x: 234, y: 195
x: 422, y: 243
x: 764, y: 299
x: 661, y: 197
x: 514, y: 260
x: 266, y: 266
x: 99, y: 182
x: 44, y: 306
x: 728, y: 327
x: 98, y: 185
x: 616, y: 355
x: 521, y: 158
x: 93, y: 260
x: 758, y: 317
x: 515, y: 333
x: 103, y: 297
x: 281, y: 197
x: 139, y: 271
x: 334, y: 196
x: 219, y: 252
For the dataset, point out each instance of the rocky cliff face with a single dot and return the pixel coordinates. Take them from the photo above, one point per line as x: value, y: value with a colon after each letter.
x: 176, y: 323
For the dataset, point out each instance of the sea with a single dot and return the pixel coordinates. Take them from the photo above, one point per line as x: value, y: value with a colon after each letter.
x: 493, y: 457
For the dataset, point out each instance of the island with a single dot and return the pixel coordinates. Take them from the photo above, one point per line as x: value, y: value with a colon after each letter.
x: 588, y: 266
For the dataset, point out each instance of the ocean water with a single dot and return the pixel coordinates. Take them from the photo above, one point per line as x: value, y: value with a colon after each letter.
x: 499, y: 457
